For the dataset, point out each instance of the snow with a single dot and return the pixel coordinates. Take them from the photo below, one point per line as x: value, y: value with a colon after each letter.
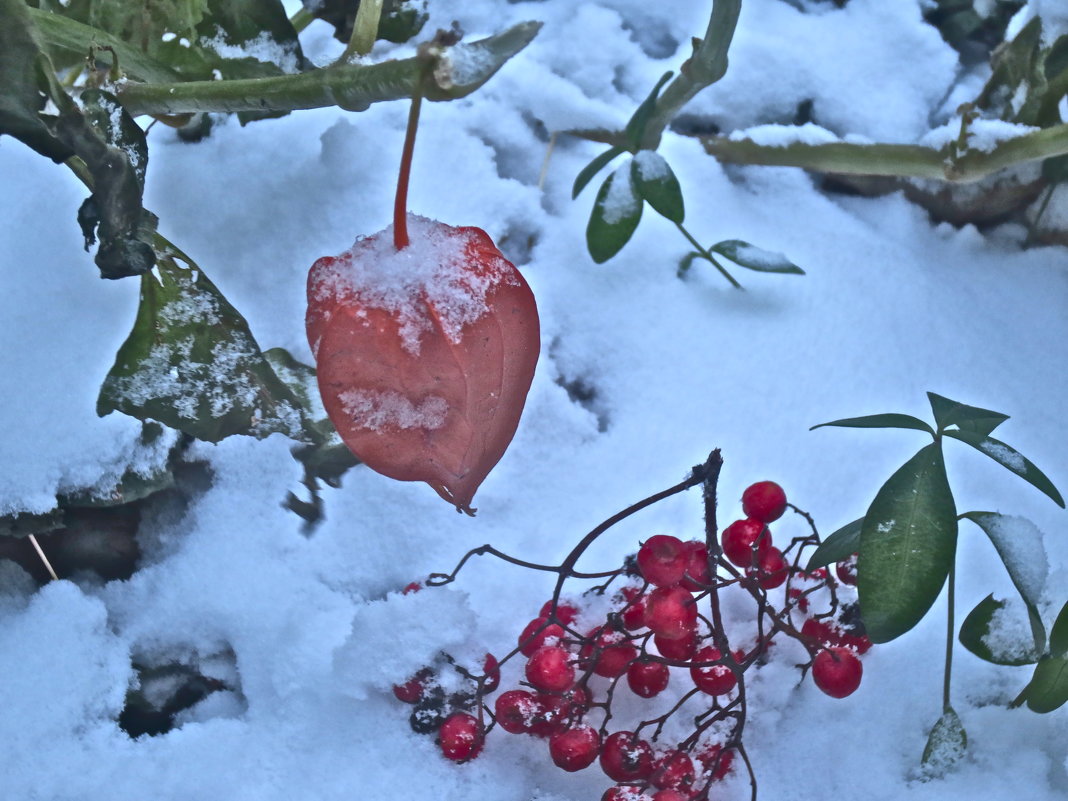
x: 308, y: 632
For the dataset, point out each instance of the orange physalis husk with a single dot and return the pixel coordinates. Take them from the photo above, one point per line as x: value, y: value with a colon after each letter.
x: 424, y: 354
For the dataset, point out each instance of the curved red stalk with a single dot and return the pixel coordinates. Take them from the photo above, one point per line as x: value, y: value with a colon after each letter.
x: 400, y: 205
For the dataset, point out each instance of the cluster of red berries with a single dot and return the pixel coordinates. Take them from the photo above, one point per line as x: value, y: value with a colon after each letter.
x: 653, y: 634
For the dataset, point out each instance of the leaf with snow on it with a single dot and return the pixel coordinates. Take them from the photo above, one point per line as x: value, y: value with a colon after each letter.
x: 191, y: 363
x: 1010, y: 459
x: 754, y: 258
x: 615, y: 215
x: 998, y: 632
x: 657, y: 185
x: 946, y: 745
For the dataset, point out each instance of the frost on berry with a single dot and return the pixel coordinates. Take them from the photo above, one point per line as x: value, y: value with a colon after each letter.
x: 837, y: 671
x: 539, y: 632
x: 670, y: 612
x: 516, y: 710
x: 575, y: 748
x: 460, y: 737
x: 424, y: 355
x: 662, y: 560
x: 673, y: 771
x: 607, y: 652
x: 549, y: 669
x: 712, y: 679
x: 626, y: 758
x: 648, y: 678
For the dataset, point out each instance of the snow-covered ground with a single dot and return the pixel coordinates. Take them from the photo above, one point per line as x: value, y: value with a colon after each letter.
x: 312, y: 632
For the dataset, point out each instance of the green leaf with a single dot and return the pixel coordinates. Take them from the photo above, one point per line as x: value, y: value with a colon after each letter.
x: 946, y: 744
x: 635, y: 130
x: 590, y: 170
x: 889, y: 420
x: 657, y: 185
x: 21, y: 100
x: 1048, y: 689
x: 1058, y: 635
x: 192, y: 364
x: 838, y: 546
x: 1010, y: 459
x: 980, y: 635
x: 907, y: 545
x: 754, y: 258
x: 63, y: 36
x: 1019, y: 545
x: 967, y: 418
x: 615, y: 215
x: 687, y: 262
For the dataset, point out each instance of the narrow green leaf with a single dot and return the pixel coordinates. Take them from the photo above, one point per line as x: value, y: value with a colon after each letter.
x: 1019, y: 545
x: 838, y: 546
x: 889, y: 420
x: 687, y: 262
x: 946, y: 744
x: 657, y: 185
x: 967, y: 418
x: 1048, y: 689
x: 1058, y: 635
x: 590, y: 170
x: 1010, y: 459
x: 192, y: 364
x: 615, y: 215
x: 981, y: 635
x: 754, y: 258
x: 635, y: 129
x: 907, y: 544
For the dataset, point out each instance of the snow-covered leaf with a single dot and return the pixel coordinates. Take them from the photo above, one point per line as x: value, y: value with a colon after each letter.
x: 754, y: 258
x: 1010, y: 459
x: 985, y: 633
x: 946, y: 744
x: 192, y: 363
x: 657, y: 185
x: 615, y: 215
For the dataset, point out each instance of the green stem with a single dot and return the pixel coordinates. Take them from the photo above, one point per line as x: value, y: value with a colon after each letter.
x: 706, y: 66
x: 302, y: 19
x: 949, y: 637
x: 707, y: 255
x: 364, y: 29
x: 899, y: 161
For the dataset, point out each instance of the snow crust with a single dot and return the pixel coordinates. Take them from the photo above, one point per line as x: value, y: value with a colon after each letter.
x: 309, y: 633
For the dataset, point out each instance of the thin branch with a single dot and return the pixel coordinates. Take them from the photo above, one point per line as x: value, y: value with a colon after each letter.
x: 364, y: 29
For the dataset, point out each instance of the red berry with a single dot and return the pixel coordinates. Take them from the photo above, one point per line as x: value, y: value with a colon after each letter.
x: 625, y: 758
x: 697, y: 576
x: 837, y: 671
x: 798, y: 596
x: 772, y: 569
x: 492, y: 671
x: 764, y: 501
x: 565, y: 612
x: 624, y: 794
x: 742, y: 537
x: 673, y: 771
x: 415, y: 586
x: 670, y: 795
x: 575, y: 748
x: 459, y: 737
x: 556, y: 712
x: 715, y: 760
x: 847, y: 570
x: 549, y: 669
x: 409, y: 692
x: 670, y: 612
x: 529, y: 641
x: 824, y: 632
x: 647, y: 679
x: 713, y: 679
x: 662, y: 560
x: 516, y: 710
x: 681, y: 649
x: 633, y: 615
x: 609, y: 652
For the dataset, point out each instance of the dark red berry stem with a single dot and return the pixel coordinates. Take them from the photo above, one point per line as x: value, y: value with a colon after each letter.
x: 400, y: 205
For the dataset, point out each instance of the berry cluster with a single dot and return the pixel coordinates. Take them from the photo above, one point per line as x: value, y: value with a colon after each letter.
x: 656, y: 621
